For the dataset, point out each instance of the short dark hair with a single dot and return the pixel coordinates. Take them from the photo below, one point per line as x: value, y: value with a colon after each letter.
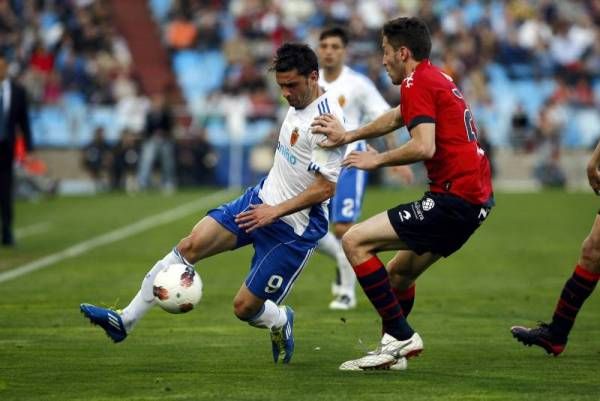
x: 295, y: 56
x: 410, y: 32
x: 335, y: 31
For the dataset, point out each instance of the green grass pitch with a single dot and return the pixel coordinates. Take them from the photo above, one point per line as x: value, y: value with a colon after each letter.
x: 510, y: 272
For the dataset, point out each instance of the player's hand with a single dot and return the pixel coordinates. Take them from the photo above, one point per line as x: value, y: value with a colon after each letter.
x: 256, y: 216
x: 332, y: 128
x: 594, y: 177
x: 405, y: 173
x: 367, y: 160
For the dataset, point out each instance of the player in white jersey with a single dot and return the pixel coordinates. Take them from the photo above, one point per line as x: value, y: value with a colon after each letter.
x: 283, y: 216
x: 361, y: 102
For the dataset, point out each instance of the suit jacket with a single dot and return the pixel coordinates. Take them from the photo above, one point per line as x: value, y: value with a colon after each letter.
x: 18, y: 116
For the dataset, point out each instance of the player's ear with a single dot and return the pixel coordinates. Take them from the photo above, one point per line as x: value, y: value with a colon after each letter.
x: 314, y: 75
x: 405, y: 53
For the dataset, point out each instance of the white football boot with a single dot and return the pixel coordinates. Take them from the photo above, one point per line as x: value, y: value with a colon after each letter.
x: 375, y: 362
x: 401, y: 348
x: 343, y: 302
x: 391, y: 354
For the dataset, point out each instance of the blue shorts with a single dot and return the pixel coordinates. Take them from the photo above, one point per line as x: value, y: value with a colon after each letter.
x: 346, y: 204
x: 279, y: 253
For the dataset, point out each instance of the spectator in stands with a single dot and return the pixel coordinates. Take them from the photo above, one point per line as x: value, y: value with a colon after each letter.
x: 124, y: 167
x: 122, y: 85
x: 521, y: 134
x: 551, y: 122
x: 196, y: 159
x: 158, y: 142
x: 73, y: 69
x: 549, y: 172
x: 181, y: 33
x: 52, y: 89
x: 583, y: 96
x: 132, y: 109
x: 42, y: 60
x: 9, y: 29
x: 209, y: 27
x: 262, y: 104
x: 96, y: 159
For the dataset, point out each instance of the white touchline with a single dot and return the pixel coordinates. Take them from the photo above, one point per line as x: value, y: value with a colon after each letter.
x: 115, y: 235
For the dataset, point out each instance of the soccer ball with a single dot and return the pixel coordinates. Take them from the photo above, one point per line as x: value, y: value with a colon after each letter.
x: 177, y: 288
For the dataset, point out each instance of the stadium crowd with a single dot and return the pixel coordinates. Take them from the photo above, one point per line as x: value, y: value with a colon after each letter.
x: 530, y: 68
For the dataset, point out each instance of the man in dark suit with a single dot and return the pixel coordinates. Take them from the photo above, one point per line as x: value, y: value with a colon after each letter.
x: 13, y: 113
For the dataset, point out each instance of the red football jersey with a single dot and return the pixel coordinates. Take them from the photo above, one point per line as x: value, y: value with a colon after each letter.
x: 459, y: 166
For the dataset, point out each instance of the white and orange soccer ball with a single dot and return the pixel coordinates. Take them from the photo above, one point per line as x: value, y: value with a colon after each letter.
x: 177, y: 288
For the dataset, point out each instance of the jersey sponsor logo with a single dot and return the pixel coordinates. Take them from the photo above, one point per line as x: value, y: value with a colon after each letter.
x: 404, y: 215
x: 427, y: 204
x: 342, y: 100
x: 286, y: 153
x: 295, y: 136
x: 416, y: 207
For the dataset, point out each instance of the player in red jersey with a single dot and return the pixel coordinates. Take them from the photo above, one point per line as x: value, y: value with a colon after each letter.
x: 553, y: 337
x: 444, y: 136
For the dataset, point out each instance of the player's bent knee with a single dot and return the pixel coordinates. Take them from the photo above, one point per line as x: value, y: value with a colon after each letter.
x: 590, y: 254
x: 349, y: 242
x: 354, y: 248
x: 243, y: 309
x: 187, y: 248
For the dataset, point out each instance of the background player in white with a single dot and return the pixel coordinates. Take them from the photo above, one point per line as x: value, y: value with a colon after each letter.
x: 283, y: 216
x: 361, y: 102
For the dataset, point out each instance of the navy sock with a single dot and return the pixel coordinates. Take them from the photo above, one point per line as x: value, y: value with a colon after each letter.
x: 374, y: 280
x: 406, y: 299
x: 576, y: 290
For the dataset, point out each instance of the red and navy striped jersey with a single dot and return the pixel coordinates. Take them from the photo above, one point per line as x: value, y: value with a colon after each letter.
x: 459, y: 166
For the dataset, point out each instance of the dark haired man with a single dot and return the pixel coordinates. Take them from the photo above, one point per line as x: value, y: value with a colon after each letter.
x: 444, y: 136
x: 13, y: 114
x: 283, y: 216
x: 360, y: 101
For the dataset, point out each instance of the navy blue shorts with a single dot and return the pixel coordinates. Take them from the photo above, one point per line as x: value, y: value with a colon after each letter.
x: 438, y: 223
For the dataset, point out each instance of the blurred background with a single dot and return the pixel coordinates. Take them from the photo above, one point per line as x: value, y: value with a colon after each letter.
x: 162, y: 94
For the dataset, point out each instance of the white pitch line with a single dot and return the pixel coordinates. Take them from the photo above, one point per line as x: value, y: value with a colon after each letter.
x: 115, y: 235
x: 32, y: 230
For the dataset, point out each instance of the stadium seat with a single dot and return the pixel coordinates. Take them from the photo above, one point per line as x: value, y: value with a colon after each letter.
x: 192, y: 67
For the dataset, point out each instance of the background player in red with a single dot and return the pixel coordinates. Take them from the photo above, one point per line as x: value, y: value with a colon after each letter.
x: 444, y: 136
x: 553, y: 337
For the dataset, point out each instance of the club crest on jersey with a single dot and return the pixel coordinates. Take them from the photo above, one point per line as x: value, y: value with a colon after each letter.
x: 342, y: 100
x: 295, y: 135
x: 409, y: 81
x: 428, y: 204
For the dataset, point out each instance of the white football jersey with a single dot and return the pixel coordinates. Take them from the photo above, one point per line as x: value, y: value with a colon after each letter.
x: 358, y: 97
x: 297, y: 158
